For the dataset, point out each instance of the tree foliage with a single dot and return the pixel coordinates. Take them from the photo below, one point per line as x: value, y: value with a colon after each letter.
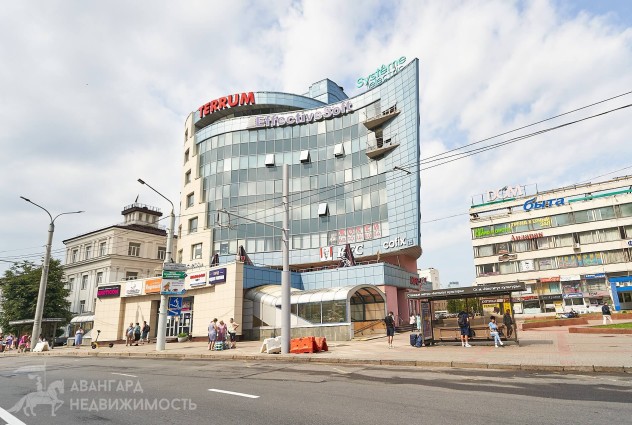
x: 20, y: 287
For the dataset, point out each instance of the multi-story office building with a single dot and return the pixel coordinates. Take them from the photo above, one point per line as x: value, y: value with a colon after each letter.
x: 570, y: 246
x: 131, y: 250
x: 354, y: 181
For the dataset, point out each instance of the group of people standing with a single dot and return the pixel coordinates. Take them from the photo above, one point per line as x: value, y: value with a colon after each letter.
x: 12, y: 342
x: 135, y: 334
x: 222, y: 332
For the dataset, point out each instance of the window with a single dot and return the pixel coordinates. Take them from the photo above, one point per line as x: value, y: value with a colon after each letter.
x: 190, y: 199
x: 131, y: 275
x: 486, y: 270
x: 510, y: 267
x: 604, y: 213
x: 564, y: 240
x: 84, y: 281
x: 162, y: 253
x: 583, y: 216
x: 484, y: 251
x: 82, y: 306
x: 134, y: 249
x: 626, y: 210
x: 522, y: 246
x: 102, y: 249
x: 617, y: 256
x: 561, y: 219
x: 75, y: 254
x: 588, y: 237
x: 187, y: 177
x: 99, y: 278
x: 196, y: 251
x: 193, y: 225
x: 71, y: 283
x: 179, y: 256
x: 546, y: 263
x: 186, y: 156
x: 88, y: 251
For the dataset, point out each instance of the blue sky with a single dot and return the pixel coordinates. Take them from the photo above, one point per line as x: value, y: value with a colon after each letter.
x: 95, y: 95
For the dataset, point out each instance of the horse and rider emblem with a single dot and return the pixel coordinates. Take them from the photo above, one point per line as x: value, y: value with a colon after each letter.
x: 48, y: 396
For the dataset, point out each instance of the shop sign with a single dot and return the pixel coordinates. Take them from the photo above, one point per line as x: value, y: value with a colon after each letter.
x: 599, y: 294
x: 469, y: 290
x: 109, y: 291
x: 595, y: 276
x: 197, y: 279
x: 532, y: 204
x: 529, y: 297
x: 217, y: 276
x: 569, y: 278
x: 382, y: 74
x: 507, y: 257
x: 574, y: 295
x: 549, y: 279
x: 551, y: 297
x: 132, y: 288
x: 397, y: 243
x: 355, y: 250
x: 527, y: 266
x: 304, y: 117
x: 527, y: 237
x: 152, y: 286
x: 226, y: 102
x: 505, y: 193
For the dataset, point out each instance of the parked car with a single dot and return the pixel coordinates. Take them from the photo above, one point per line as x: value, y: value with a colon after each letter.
x: 60, y: 341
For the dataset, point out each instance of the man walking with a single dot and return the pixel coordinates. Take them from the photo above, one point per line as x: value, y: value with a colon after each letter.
x: 605, y: 310
x: 463, y: 321
x: 390, y: 328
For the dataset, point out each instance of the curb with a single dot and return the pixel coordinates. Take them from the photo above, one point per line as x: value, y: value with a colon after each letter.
x: 350, y: 361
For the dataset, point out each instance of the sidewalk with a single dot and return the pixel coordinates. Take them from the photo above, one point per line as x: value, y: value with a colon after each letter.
x: 545, y: 349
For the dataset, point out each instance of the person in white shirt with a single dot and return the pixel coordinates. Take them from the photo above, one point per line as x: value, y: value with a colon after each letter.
x: 232, y: 332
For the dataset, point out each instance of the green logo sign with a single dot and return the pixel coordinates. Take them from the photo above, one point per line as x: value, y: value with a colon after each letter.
x: 171, y: 274
x: 382, y: 74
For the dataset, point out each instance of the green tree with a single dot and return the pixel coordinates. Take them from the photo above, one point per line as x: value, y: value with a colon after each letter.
x: 20, y: 287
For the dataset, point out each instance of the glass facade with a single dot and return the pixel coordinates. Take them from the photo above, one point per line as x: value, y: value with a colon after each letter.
x: 344, y: 187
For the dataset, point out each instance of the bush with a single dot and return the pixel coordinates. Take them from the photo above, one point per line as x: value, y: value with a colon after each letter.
x: 183, y: 335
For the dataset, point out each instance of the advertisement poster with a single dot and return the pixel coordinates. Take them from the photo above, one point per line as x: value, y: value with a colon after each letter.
x: 197, y: 279
x: 377, y: 230
x: 152, y: 286
x: 326, y: 253
x: 217, y: 276
x: 351, y: 235
x: 527, y: 266
x: 342, y: 237
x: 368, y: 232
x: 333, y: 238
x: 172, y: 286
x: 359, y: 231
x: 426, y: 321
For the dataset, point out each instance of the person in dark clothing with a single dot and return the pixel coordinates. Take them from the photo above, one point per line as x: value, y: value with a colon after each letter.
x: 508, y: 321
x: 390, y: 328
x: 607, y: 315
x: 463, y: 320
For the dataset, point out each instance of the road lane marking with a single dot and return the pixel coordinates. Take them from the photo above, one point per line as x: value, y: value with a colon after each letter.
x: 124, y: 374
x: 233, y: 393
x: 9, y: 418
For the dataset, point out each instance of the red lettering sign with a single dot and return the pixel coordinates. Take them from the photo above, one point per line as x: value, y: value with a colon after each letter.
x: 526, y: 237
x: 229, y: 101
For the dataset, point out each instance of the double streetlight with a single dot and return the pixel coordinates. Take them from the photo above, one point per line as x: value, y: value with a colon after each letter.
x: 41, y: 296
x: 162, y: 311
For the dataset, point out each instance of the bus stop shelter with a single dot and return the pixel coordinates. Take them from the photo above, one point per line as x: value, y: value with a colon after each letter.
x: 495, y: 299
x: 48, y: 329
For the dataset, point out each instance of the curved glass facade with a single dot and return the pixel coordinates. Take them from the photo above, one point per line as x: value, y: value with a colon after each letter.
x: 354, y: 173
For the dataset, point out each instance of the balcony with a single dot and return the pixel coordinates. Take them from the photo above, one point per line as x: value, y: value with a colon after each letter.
x: 378, y: 120
x: 378, y: 146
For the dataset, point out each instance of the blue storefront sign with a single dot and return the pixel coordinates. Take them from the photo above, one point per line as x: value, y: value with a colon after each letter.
x: 216, y: 276
x: 594, y: 276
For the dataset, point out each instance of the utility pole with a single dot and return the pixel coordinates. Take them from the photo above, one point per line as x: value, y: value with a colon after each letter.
x: 41, y: 295
x: 162, y: 310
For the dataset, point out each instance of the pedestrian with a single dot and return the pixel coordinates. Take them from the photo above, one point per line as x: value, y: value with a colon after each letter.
x: 212, y: 333
x: 9, y: 342
x: 221, y: 332
x: 232, y: 332
x: 493, y: 331
x: 78, y: 337
x: 412, y: 322
x: 129, y: 334
x: 145, y: 335
x: 419, y: 322
x: 22, y: 344
x: 508, y: 321
x: 137, y: 334
x: 463, y: 320
x: 389, y: 320
x: 607, y: 315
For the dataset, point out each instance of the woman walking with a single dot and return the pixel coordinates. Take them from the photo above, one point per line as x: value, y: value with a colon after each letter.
x: 78, y: 337
x: 212, y: 333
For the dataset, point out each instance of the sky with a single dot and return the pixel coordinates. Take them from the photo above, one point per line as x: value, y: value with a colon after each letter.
x: 94, y: 95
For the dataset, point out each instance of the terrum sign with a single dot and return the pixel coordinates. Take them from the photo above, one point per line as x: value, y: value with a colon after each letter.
x: 227, y: 102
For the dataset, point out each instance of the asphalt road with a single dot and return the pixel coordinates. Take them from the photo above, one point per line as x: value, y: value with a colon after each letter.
x: 133, y: 391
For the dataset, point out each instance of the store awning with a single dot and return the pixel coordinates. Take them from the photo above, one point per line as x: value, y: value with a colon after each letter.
x: 82, y: 318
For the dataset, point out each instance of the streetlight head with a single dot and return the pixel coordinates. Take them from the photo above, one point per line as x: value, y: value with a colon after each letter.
x: 141, y: 181
x: 26, y: 199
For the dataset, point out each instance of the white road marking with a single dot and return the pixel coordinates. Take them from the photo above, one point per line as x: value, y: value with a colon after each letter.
x: 124, y: 374
x: 9, y: 418
x: 233, y: 393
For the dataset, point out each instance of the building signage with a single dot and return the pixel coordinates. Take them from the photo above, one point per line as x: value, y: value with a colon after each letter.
x: 505, y: 193
x: 173, y: 275
x: 217, y: 276
x: 507, y: 257
x: 574, y: 295
x: 152, y: 286
x: 569, y: 278
x: 526, y: 266
x: 133, y: 287
x: 197, y: 279
x: 415, y: 280
x: 326, y: 253
x: 527, y: 237
x: 397, y: 243
x: 175, y: 306
x: 109, y: 291
x: 227, y: 102
x: 304, y: 117
x: 551, y: 297
x: 382, y: 74
x: 549, y: 279
x: 595, y: 276
x: 472, y: 290
x: 355, y: 250
x: 532, y: 204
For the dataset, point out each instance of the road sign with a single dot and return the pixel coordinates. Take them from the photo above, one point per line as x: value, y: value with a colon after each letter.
x: 174, y: 267
x: 175, y: 306
x: 171, y: 274
x: 172, y: 287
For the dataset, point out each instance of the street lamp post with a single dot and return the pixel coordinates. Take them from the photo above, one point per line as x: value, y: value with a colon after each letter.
x: 162, y: 311
x: 41, y: 295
